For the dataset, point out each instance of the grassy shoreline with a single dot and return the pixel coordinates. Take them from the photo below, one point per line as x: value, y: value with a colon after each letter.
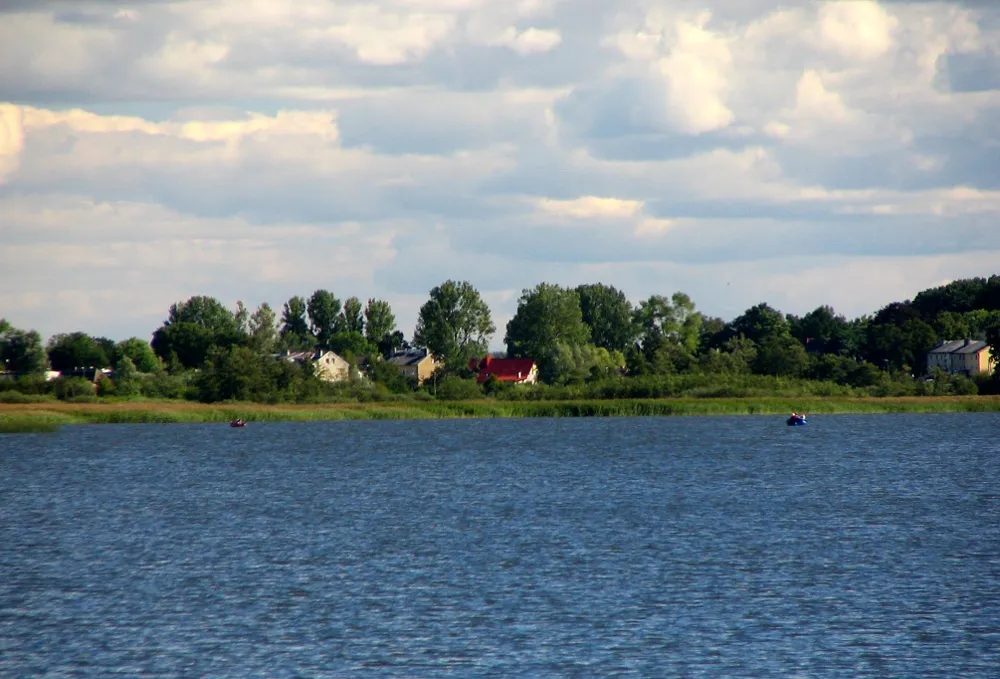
x: 47, y: 416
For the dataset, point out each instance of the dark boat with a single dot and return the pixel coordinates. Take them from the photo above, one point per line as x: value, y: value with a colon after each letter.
x: 238, y: 423
x: 797, y: 421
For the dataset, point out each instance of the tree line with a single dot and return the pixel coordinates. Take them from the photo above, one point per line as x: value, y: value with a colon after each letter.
x: 577, y: 335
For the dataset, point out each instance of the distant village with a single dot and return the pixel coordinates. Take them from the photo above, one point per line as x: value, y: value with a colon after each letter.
x: 559, y: 337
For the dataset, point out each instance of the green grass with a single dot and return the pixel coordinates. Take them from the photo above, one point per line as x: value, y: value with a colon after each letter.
x: 33, y: 417
x: 31, y: 424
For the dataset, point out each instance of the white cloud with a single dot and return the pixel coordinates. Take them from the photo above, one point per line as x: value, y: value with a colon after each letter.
x: 257, y: 150
x: 694, y: 63
x: 589, y: 207
x: 11, y: 139
x: 697, y: 70
x: 858, y: 29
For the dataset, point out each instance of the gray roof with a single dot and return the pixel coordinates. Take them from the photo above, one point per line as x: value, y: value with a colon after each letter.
x: 959, y: 347
x: 408, y: 358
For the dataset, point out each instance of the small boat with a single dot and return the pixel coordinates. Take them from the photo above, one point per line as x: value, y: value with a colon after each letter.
x: 797, y: 421
x: 238, y: 423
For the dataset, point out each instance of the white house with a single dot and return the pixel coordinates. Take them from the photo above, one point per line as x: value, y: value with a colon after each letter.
x: 329, y: 366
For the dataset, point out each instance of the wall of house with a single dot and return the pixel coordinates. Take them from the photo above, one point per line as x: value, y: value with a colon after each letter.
x: 986, y: 360
x: 333, y: 368
x: 942, y: 361
x: 425, y: 369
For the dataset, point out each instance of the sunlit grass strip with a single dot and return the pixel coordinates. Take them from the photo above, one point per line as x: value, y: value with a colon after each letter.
x: 34, y: 423
x: 25, y: 416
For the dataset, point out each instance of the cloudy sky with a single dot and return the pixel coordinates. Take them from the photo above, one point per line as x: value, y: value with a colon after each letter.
x: 798, y: 153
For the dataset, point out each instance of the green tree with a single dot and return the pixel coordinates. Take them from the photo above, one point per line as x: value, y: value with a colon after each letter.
x: 735, y: 357
x: 351, y: 345
x: 193, y: 328
x: 781, y: 355
x: 239, y: 373
x: 205, y: 311
x: 139, y: 352
x: 608, y: 314
x: 242, y: 317
x: 760, y: 323
x: 583, y: 362
x: 714, y: 333
x: 380, y: 327
x: 263, y: 329
x: 547, y: 316
x: 951, y: 325
x: 455, y: 323
x: 669, y: 332
x: 324, y: 315
x: 919, y: 338
x: 183, y: 345
x: 389, y: 374
x: 22, y: 351
x: 74, y: 350
x: 295, y: 333
x: 126, y: 378
x: 352, y: 317
x: 821, y: 331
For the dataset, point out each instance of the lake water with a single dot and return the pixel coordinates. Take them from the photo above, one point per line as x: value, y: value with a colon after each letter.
x: 859, y: 546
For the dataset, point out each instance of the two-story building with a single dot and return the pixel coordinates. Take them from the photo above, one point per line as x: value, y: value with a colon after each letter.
x: 329, y: 366
x: 418, y: 364
x: 961, y: 357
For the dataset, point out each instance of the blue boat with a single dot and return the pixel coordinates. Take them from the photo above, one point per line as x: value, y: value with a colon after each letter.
x: 797, y: 421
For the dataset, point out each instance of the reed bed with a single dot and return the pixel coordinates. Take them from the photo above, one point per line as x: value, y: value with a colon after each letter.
x: 47, y: 416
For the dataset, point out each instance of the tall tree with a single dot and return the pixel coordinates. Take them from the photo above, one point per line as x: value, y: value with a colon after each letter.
x: 547, y: 316
x: 821, y: 331
x: 608, y: 314
x: 295, y: 333
x: 380, y: 326
x: 263, y: 329
x: 76, y: 350
x: 139, y: 353
x: 781, y: 355
x: 760, y: 323
x: 455, y: 323
x: 669, y: 322
x: 126, y: 378
x: 22, y: 351
x: 205, y: 311
x: 324, y: 315
x: 192, y: 328
x: 242, y: 317
x: 352, y: 318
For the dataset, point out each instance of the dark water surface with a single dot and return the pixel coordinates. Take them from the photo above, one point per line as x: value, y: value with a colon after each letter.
x: 859, y: 546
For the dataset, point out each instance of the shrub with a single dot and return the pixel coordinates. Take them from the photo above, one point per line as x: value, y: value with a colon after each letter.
x: 458, y: 389
x: 27, y: 384
x: 18, y: 397
x: 164, y: 385
x: 70, y: 387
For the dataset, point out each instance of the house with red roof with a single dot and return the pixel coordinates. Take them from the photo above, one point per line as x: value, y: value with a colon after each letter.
x: 516, y: 370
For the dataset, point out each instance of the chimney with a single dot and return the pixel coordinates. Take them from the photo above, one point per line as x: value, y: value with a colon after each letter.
x: 968, y: 342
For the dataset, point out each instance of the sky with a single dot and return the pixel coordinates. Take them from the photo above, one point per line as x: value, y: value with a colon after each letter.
x: 741, y: 151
